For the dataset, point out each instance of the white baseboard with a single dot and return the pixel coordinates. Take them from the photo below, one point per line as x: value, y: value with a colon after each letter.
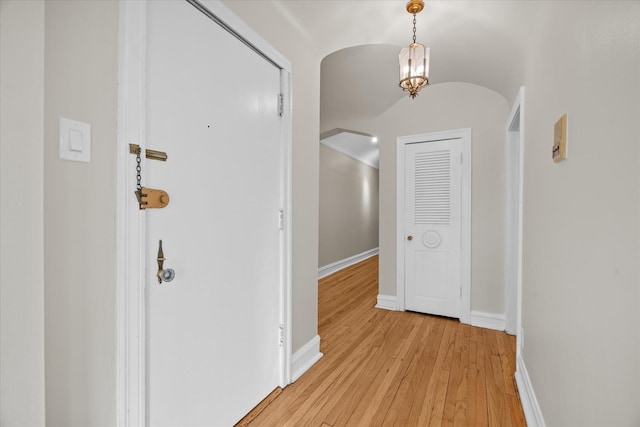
x: 347, y: 262
x: 387, y: 302
x: 488, y: 320
x: 532, y: 412
x: 305, y: 358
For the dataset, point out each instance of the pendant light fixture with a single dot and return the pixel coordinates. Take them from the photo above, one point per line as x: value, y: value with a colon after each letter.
x: 414, y: 60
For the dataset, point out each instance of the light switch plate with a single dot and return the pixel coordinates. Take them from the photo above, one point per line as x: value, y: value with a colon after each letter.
x: 75, y: 140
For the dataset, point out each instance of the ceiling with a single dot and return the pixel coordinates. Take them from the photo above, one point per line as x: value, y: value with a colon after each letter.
x: 359, y: 82
x: 358, y: 145
x: 473, y: 41
x: 483, y: 42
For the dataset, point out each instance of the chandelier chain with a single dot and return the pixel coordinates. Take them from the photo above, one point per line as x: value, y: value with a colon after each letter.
x: 414, y: 27
x: 138, y: 171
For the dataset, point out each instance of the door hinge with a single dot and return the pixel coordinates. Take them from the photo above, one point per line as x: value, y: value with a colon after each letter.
x: 460, y: 291
x: 281, y: 104
x: 281, y: 335
x: 281, y: 219
x: 460, y: 158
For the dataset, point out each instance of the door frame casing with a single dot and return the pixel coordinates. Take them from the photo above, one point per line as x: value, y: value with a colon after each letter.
x: 130, y: 221
x: 513, y: 263
x: 464, y: 135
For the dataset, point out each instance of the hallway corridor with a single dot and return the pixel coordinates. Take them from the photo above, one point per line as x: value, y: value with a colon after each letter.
x: 387, y: 368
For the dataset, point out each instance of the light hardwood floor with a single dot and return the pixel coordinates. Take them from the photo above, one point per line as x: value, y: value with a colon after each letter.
x: 387, y: 368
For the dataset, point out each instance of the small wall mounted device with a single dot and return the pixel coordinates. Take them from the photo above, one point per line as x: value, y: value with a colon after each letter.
x: 559, y: 151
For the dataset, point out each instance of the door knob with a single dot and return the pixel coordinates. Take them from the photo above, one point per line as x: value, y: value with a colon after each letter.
x: 409, y: 237
x: 167, y: 275
x: 164, y: 274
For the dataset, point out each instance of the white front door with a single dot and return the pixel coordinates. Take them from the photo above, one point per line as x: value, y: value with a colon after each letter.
x: 432, y: 227
x: 213, y: 336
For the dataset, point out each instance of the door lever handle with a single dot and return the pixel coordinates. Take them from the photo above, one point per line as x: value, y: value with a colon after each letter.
x: 163, y: 275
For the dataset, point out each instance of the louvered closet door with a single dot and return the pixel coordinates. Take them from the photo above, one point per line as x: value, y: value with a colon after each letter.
x: 433, y: 226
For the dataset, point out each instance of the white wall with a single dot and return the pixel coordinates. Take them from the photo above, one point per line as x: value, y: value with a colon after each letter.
x: 348, y: 220
x: 79, y: 235
x: 581, y: 278
x: 22, y: 376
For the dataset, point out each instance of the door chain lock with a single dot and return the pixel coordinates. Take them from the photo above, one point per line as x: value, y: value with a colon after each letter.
x: 148, y: 198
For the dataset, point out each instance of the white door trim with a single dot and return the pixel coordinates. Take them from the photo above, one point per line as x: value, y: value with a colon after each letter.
x: 513, y: 291
x: 465, y: 209
x: 130, y: 310
x: 130, y: 248
x: 287, y: 235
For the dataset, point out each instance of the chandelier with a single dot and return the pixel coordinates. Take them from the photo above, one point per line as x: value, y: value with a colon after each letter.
x: 414, y: 60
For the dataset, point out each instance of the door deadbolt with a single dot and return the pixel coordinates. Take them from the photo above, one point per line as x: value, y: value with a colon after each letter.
x: 151, y: 198
x: 409, y: 238
x: 163, y: 274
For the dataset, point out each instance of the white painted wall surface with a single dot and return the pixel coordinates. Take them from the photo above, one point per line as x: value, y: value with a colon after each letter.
x: 81, y: 84
x: 22, y: 376
x: 348, y: 221
x: 581, y: 278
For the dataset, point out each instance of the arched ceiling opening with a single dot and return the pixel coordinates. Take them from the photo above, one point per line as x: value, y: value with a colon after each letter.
x: 359, y: 82
x: 478, y: 42
x: 483, y: 42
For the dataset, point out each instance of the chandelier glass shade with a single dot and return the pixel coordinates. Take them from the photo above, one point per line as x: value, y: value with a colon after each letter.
x: 414, y: 68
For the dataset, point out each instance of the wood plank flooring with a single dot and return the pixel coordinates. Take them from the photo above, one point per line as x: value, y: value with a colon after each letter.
x: 388, y: 368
